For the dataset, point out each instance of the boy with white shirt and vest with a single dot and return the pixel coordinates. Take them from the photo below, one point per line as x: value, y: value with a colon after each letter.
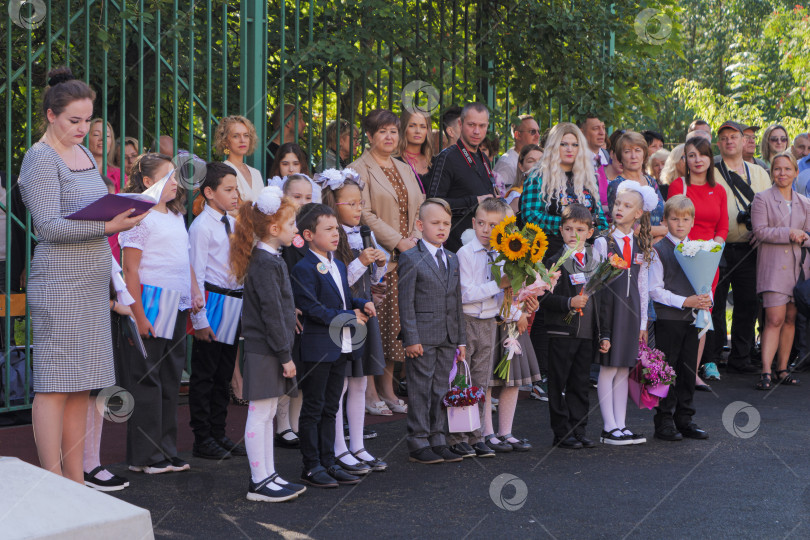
x: 571, y: 346
x: 212, y: 362
x: 481, y: 298
x: 674, y: 298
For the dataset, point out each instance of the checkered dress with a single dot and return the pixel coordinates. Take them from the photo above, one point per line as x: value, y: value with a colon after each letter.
x: 69, y: 288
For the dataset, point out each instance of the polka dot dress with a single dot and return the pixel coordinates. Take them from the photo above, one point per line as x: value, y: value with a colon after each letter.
x: 388, y: 312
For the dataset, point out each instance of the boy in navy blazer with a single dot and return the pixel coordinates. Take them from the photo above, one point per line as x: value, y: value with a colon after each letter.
x: 432, y: 323
x: 322, y: 293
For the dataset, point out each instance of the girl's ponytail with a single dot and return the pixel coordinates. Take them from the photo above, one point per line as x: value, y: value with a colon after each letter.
x: 242, y: 242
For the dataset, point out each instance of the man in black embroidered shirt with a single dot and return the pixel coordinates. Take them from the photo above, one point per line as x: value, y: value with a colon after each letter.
x: 461, y: 174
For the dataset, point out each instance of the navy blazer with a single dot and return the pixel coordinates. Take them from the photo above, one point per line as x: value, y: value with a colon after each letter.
x: 318, y: 298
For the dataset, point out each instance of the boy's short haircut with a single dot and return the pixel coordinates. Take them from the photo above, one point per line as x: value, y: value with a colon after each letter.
x: 494, y: 205
x: 434, y: 200
x: 215, y: 171
x: 679, y: 204
x: 310, y: 214
x: 576, y: 212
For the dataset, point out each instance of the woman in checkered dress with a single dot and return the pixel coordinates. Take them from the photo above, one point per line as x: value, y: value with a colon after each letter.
x: 69, y: 285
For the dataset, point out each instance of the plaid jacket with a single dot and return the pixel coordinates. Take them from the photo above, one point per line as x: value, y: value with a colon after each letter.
x: 533, y: 209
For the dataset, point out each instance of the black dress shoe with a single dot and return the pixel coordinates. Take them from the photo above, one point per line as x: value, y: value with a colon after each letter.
x: 342, y: 476
x: 482, y: 450
x: 585, y: 441
x: 522, y: 445
x: 693, y: 431
x: 358, y: 468
x: 446, y: 454
x: 459, y: 448
x: 703, y: 388
x: 668, y: 433
x: 318, y: 477
x: 499, y: 446
x: 209, y: 449
x: 467, y: 448
x: 425, y: 455
x: 745, y: 368
x: 235, y: 449
x: 569, y: 443
x: 284, y: 442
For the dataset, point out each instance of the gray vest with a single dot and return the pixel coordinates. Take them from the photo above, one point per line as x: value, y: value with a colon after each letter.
x: 674, y: 281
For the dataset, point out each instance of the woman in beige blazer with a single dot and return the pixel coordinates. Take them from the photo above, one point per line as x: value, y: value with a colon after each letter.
x: 392, y: 197
x: 780, y: 219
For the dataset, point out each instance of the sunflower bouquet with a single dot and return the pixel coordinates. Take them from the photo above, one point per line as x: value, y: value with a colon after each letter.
x: 520, y: 257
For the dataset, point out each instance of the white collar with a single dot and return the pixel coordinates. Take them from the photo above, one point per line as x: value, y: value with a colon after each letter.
x: 675, y: 240
x: 600, y: 154
x: 477, y: 245
x: 323, y: 259
x: 618, y: 235
x: 432, y: 249
x: 351, y: 230
x: 267, y: 247
x: 213, y: 213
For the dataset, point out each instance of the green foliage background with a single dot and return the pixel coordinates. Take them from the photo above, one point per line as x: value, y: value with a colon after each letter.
x: 718, y: 59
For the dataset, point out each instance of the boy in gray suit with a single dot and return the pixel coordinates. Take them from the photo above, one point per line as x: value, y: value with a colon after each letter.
x: 432, y: 324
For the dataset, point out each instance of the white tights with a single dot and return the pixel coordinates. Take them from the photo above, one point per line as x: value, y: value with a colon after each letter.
x: 259, y: 440
x: 92, y: 440
x: 288, y: 412
x: 612, y: 390
x: 506, y: 411
x: 356, y: 414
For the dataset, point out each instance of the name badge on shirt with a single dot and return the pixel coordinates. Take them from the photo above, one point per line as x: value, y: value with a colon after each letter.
x: 578, y: 279
x: 322, y: 268
x: 639, y: 258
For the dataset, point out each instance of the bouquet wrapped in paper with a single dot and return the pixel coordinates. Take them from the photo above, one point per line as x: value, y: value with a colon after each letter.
x: 651, y: 377
x: 699, y: 260
x: 607, y: 271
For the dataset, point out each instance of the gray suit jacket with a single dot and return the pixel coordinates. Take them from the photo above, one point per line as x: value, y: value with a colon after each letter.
x: 429, y: 311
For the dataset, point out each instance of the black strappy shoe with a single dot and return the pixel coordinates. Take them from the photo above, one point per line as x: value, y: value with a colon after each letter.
x: 787, y: 380
x: 764, y: 382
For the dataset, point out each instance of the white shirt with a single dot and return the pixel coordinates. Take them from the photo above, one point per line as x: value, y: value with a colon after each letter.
x: 356, y: 269
x: 268, y: 248
x: 432, y: 250
x: 604, y: 159
x: 210, y: 256
x: 346, y: 342
x: 506, y: 167
x: 165, y: 259
x: 121, y: 292
x: 248, y: 188
x: 657, y: 291
x: 600, y: 246
x: 481, y: 296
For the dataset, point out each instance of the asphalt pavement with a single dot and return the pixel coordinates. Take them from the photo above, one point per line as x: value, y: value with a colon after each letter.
x: 750, y: 479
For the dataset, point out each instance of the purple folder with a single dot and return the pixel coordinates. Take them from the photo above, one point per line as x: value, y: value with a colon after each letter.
x: 111, y: 205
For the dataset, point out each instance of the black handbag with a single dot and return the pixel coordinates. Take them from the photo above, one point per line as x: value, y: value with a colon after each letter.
x: 801, y: 292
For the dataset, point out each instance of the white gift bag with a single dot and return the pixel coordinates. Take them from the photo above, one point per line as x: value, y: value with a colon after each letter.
x: 463, y: 419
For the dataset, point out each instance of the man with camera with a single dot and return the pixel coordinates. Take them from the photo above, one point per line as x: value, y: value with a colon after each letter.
x: 738, y: 268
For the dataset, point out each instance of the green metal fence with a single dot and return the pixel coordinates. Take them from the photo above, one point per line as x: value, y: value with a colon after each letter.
x: 165, y: 67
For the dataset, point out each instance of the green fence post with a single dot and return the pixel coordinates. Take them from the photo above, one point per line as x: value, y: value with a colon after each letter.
x: 252, y: 95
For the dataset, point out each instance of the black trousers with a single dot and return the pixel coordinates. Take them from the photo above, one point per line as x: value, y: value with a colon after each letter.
x: 678, y: 340
x: 569, y: 364
x: 154, y: 383
x: 212, y: 365
x: 740, y: 271
x: 322, y: 386
x: 539, y: 338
